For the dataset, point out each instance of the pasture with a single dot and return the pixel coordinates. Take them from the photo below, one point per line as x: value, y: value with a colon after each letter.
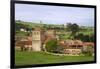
x: 29, y: 58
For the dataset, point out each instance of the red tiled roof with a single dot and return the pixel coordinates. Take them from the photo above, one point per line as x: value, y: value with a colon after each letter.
x: 75, y: 42
x: 88, y: 43
x: 71, y: 42
x: 23, y: 43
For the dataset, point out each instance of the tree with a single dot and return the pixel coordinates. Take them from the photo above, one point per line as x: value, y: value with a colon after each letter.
x: 74, y: 28
x: 85, y: 38
x: 92, y: 39
x: 51, y: 45
x: 69, y: 27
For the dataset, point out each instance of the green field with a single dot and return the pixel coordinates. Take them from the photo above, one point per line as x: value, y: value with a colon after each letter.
x: 29, y: 58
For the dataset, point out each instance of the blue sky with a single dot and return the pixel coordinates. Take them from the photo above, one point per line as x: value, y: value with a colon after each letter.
x: 54, y: 14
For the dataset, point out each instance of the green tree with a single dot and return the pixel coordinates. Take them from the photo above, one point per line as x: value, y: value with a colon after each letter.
x: 85, y: 38
x: 51, y: 45
x: 74, y: 28
x: 92, y: 39
x: 68, y: 27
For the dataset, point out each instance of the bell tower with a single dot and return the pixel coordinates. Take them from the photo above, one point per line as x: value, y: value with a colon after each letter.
x: 36, y: 40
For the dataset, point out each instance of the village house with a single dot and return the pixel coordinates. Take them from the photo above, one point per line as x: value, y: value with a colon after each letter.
x: 76, y: 47
x: 22, y: 29
x: 71, y: 47
x: 23, y: 44
x: 38, y: 39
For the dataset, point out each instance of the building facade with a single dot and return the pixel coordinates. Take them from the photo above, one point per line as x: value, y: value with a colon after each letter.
x: 36, y: 40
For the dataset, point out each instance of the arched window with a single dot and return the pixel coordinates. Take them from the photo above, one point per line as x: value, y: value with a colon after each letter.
x: 37, y: 33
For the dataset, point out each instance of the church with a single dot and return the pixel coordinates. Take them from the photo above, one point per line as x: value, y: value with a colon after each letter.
x: 39, y: 37
x: 37, y: 40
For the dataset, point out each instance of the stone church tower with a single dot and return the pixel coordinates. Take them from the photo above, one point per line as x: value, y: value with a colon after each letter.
x: 36, y: 40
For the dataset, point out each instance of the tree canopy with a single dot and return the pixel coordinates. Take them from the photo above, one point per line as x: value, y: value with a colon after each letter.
x: 51, y: 45
x: 74, y: 28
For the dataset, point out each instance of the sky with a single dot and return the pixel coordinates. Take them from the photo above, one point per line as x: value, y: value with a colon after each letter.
x: 54, y: 14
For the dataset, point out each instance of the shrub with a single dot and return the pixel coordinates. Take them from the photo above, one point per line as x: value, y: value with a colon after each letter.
x: 51, y: 45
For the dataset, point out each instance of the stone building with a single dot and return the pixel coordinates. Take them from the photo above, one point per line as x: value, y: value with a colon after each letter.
x: 76, y: 47
x: 38, y: 39
x: 71, y: 47
x: 24, y: 44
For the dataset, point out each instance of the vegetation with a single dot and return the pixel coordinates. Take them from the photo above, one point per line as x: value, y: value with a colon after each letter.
x: 51, y: 45
x: 22, y: 34
x: 85, y: 38
x: 70, y: 31
x: 74, y: 28
x: 30, y: 58
x: 89, y: 51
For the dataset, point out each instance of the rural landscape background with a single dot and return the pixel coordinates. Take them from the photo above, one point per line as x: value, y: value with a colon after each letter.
x: 60, y: 36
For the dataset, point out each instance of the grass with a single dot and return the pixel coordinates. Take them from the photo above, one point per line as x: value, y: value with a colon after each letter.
x: 29, y: 58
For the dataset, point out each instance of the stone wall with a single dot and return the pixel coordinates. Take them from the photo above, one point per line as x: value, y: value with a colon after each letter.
x: 72, y: 51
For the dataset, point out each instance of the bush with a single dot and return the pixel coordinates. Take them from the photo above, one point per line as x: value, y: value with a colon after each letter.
x: 51, y: 45
x: 88, y: 53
